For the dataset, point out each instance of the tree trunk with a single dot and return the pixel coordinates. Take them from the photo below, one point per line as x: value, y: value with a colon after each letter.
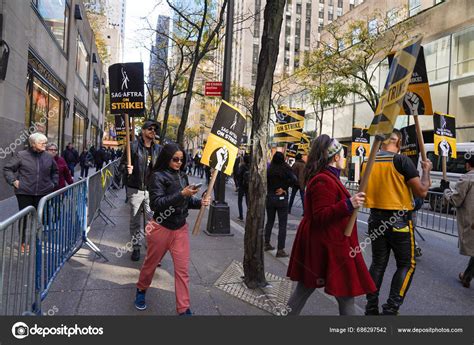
x: 254, y: 269
x: 166, y: 114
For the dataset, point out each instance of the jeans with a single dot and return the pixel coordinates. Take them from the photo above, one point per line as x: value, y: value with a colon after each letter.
x: 84, y: 171
x: 301, y: 294
x: 399, y: 238
x: 294, y: 190
x: 139, y: 200
x: 160, y: 240
x: 240, y: 197
x: 275, y: 204
x: 71, y: 167
x: 23, y: 202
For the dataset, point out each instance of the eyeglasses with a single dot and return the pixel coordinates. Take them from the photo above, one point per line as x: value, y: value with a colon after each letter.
x: 177, y: 160
x: 42, y: 143
x: 152, y: 129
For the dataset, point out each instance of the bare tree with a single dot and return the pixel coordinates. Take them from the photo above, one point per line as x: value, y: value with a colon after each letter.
x: 254, y: 269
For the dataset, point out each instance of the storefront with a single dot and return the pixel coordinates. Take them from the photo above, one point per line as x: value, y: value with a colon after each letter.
x: 46, y: 101
x: 80, y: 125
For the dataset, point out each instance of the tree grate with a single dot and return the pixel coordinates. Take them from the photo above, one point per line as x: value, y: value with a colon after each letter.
x: 273, y: 298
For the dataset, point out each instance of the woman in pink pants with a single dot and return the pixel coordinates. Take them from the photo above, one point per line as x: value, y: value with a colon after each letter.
x: 170, y: 198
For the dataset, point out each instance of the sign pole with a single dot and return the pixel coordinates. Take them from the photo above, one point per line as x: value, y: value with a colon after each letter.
x: 133, y: 129
x: 419, y: 135
x: 363, y: 184
x: 127, y: 131
x: 197, y: 225
x: 443, y: 162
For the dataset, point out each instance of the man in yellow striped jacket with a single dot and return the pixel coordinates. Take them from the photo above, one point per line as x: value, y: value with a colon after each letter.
x: 393, y: 182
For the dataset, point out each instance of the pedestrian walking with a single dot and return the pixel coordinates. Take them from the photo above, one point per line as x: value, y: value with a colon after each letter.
x: 298, y: 169
x: 243, y: 178
x: 170, y: 198
x: 86, y: 161
x: 64, y: 174
x: 71, y: 156
x: 462, y: 198
x: 322, y: 256
x: 100, y: 156
x: 235, y: 172
x: 144, y: 153
x: 33, y: 173
x: 392, y: 184
x: 279, y: 178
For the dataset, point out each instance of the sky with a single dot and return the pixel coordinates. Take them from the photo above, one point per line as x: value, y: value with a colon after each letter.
x: 140, y: 15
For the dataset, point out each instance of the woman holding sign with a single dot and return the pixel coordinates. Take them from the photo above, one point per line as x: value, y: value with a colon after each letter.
x: 170, y: 198
x: 322, y: 255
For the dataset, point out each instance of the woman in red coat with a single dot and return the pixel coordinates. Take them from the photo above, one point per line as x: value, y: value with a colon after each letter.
x: 63, y: 170
x: 322, y: 256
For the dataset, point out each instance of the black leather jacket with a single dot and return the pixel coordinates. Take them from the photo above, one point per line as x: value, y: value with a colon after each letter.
x: 139, y: 177
x: 170, y: 207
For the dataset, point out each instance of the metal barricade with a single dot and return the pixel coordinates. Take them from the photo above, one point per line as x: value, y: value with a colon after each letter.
x: 63, y: 218
x: 436, y: 214
x: 17, y: 263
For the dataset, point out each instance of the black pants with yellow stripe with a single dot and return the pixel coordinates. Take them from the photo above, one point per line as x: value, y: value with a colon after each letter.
x: 391, y: 231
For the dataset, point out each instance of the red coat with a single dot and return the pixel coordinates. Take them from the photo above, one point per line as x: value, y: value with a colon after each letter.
x: 321, y: 254
x: 64, y: 173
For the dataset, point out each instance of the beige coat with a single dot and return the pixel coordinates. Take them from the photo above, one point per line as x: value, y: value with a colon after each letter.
x: 463, y: 198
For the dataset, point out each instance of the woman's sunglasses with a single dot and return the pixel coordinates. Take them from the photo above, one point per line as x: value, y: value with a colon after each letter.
x: 177, y: 159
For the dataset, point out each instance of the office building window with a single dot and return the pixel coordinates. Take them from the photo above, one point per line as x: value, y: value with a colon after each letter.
x: 321, y: 15
x: 320, y: 28
x: 96, y: 88
x: 355, y: 36
x: 82, y: 60
x: 437, y: 59
x: 339, y: 3
x: 321, y: 1
x: 308, y: 10
x: 307, y: 33
x: 78, y: 131
x: 463, y: 53
x: 298, y: 8
x: 414, y: 6
x: 330, y: 16
x: 339, y: 12
x: 393, y: 16
x: 373, y: 27
x: 55, y: 15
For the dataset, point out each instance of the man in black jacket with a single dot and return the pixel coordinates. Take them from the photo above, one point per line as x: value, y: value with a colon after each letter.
x: 144, y: 152
x: 71, y: 156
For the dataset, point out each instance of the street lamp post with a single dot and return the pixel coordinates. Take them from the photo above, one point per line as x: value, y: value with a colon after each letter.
x: 218, y: 223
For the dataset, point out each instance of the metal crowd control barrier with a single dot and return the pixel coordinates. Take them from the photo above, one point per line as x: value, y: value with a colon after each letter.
x: 17, y: 263
x: 63, y: 218
x: 436, y: 214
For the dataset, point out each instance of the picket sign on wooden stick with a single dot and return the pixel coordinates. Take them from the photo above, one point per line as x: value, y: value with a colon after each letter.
x: 197, y: 226
x: 419, y: 135
x: 127, y: 133
x: 363, y: 184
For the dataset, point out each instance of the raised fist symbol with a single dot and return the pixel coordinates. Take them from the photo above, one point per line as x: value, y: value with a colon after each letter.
x: 444, y: 145
x: 222, y: 155
x: 361, y: 151
x: 412, y: 102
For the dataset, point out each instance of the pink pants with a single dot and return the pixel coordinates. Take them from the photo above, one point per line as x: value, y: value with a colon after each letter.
x: 160, y: 240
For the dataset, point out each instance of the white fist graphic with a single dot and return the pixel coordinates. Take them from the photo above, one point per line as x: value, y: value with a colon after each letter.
x: 444, y: 148
x: 412, y: 101
x: 222, y: 155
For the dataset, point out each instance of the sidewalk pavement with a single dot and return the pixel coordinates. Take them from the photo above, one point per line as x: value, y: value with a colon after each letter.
x: 87, y: 285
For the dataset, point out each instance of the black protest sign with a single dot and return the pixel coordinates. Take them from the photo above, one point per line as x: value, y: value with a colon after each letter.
x: 223, y: 143
x: 360, y: 142
x: 120, y: 129
x: 444, y: 135
x: 417, y: 100
x: 289, y: 126
x: 410, y: 146
x: 292, y: 150
x: 126, y: 85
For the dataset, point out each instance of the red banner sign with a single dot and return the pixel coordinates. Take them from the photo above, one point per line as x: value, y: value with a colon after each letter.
x: 213, y: 88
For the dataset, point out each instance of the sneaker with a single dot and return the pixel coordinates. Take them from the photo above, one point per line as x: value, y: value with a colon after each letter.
x: 240, y: 219
x: 281, y: 253
x: 188, y: 312
x: 464, y: 282
x: 268, y: 247
x: 372, y: 311
x: 135, y: 255
x: 140, y: 303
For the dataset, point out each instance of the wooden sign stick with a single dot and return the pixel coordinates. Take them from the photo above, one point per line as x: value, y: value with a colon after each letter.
x: 127, y: 131
x: 419, y: 135
x: 363, y: 184
x: 197, y: 226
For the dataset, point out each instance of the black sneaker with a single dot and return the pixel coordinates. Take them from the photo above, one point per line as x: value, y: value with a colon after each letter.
x: 268, y: 247
x: 135, y: 254
x: 140, y: 303
x: 372, y: 311
x: 188, y: 312
x: 281, y: 253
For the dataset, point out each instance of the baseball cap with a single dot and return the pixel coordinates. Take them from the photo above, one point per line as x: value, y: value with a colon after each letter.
x: 150, y: 123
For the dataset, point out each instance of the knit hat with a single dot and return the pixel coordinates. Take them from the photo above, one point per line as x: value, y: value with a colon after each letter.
x: 334, y: 148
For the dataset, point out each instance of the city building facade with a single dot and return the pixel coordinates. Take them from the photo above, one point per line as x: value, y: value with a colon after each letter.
x: 55, y: 81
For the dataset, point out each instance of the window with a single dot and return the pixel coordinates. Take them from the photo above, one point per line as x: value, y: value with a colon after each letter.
x: 321, y: 1
x: 355, y: 36
x: 330, y: 16
x: 307, y: 33
x: 55, y: 15
x: 437, y: 59
x: 393, y: 16
x: 93, y: 138
x: 463, y: 53
x: 373, y: 27
x: 339, y: 3
x: 340, y: 44
x: 321, y: 15
x: 339, y: 12
x: 96, y: 88
x: 320, y: 28
x: 414, y: 6
x: 78, y: 131
x: 298, y: 8
x: 308, y: 10
x: 43, y: 109
x: 82, y: 61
